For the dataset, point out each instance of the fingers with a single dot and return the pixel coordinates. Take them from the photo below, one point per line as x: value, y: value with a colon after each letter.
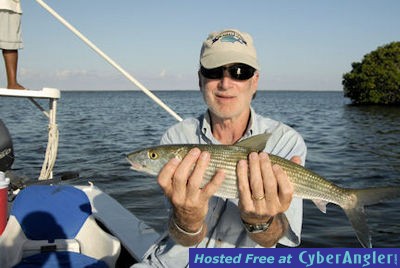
x: 264, y: 188
x: 296, y: 159
x: 243, y: 184
x: 213, y: 185
x: 196, y: 178
x: 173, y: 177
x: 284, y: 187
x: 165, y: 176
x: 183, y: 179
x: 256, y: 176
x: 270, y: 179
x: 192, y: 177
x: 184, y: 170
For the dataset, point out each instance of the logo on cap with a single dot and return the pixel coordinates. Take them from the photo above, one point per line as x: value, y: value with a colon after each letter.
x: 229, y: 36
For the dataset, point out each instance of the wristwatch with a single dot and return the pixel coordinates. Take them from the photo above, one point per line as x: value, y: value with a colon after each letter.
x: 257, y: 228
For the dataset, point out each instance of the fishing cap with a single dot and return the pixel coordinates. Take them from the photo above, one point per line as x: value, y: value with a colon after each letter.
x: 228, y: 46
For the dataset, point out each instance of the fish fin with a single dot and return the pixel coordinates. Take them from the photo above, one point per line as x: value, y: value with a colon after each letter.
x: 255, y: 143
x: 356, y: 213
x: 321, y: 204
x: 370, y: 196
x: 290, y: 234
x: 358, y: 220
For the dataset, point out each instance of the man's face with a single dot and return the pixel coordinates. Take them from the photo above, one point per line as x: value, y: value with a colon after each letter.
x: 226, y: 97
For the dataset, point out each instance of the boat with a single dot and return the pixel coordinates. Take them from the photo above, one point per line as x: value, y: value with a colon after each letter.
x: 125, y: 238
x: 52, y: 224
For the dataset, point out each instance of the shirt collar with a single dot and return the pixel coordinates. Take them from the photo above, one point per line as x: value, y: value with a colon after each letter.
x: 205, y: 126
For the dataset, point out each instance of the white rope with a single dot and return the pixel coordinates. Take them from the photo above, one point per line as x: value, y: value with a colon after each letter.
x: 51, y: 154
x: 109, y: 60
x: 52, y: 143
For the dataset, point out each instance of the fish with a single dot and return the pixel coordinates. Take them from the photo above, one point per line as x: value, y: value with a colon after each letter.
x: 307, y: 184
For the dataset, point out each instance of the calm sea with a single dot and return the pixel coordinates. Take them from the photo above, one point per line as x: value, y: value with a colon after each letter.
x: 352, y: 146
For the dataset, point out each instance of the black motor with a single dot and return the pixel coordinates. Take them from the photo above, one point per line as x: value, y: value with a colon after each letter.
x: 6, y: 148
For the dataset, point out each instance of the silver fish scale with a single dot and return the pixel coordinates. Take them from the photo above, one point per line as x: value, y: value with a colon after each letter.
x: 310, y: 185
x: 226, y: 158
x: 306, y: 183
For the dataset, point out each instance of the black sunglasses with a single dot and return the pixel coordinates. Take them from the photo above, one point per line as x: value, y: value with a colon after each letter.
x: 238, y: 71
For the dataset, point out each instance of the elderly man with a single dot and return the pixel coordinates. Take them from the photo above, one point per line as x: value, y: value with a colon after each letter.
x: 266, y: 213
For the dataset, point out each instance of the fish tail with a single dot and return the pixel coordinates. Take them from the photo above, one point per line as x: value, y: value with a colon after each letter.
x: 356, y: 212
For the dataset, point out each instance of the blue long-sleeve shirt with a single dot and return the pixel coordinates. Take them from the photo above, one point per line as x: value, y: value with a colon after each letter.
x: 225, y: 228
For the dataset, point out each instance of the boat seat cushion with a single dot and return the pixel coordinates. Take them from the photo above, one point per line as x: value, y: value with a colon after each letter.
x: 60, y: 259
x: 70, y: 207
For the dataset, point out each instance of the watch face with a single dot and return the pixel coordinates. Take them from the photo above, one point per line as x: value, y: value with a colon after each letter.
x: 257, y: 228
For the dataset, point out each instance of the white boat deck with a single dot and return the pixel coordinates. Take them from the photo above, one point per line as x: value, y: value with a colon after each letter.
x: 45, y: 93
x: 136, y: 236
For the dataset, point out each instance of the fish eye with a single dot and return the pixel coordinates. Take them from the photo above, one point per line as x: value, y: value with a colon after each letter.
x: 152, y: 155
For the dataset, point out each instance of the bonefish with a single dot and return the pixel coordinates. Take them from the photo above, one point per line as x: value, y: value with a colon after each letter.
x: 307, y: 184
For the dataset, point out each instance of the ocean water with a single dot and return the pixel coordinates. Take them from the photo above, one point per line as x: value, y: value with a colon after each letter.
x: 351, y: 146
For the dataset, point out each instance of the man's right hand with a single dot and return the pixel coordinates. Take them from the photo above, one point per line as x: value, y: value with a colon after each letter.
x: 181, y: 181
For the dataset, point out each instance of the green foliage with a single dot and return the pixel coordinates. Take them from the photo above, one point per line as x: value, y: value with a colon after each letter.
x: 376, y: 79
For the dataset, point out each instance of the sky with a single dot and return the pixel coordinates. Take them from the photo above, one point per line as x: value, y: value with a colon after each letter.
x: 301, y: 45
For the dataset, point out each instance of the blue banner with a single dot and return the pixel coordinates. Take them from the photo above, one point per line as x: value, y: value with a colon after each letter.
x: 294, y: 257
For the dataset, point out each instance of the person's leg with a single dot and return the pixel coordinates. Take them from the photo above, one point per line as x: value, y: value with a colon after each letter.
x: 11, y: 62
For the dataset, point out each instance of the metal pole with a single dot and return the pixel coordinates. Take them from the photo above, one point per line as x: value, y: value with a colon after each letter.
x: 109, y: 60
